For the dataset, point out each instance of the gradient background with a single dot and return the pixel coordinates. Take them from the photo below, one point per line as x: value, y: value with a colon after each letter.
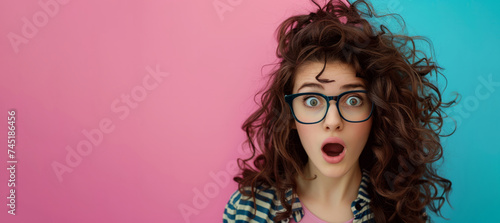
x: 174, y: 145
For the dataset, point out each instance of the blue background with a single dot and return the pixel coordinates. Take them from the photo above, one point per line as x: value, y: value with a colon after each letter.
x: 466, y: 40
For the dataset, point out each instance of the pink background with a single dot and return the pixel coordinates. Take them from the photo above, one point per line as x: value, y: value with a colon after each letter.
x: 72, y: 65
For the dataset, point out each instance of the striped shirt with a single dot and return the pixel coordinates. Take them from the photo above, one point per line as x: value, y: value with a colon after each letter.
x: 241, y: 208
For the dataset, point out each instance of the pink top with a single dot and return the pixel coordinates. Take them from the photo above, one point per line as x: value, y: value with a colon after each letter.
x: 309, y: 217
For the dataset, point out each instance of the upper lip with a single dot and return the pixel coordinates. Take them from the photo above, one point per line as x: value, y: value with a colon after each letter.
x: 333, y: 140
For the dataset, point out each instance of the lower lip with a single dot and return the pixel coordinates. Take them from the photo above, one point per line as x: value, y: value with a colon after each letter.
x: 334, y: 159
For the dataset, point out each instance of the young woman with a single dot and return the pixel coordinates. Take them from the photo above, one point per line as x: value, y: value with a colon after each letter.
x: 347, y: 130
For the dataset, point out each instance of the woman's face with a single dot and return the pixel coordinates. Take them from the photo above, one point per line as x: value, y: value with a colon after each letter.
x: 344, y: 140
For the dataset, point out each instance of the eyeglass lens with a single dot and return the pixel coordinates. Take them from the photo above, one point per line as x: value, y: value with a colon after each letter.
x: 353, y: 106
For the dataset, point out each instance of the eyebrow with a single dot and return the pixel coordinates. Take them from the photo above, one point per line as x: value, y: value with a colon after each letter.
x: 319, y: 86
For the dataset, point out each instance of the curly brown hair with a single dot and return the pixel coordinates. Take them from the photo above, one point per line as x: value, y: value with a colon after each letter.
x: 404, y: 143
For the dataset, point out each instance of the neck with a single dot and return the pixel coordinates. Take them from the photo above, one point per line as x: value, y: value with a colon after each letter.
x: 330, y: 190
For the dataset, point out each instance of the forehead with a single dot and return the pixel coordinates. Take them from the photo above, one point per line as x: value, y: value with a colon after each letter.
x: 336, y: 73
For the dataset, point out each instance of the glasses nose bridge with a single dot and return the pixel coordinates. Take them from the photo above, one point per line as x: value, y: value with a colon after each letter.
x: 334, y: 107
x: 329, y: 98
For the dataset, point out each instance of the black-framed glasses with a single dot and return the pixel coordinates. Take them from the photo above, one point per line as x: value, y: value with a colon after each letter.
x: 311, y: 107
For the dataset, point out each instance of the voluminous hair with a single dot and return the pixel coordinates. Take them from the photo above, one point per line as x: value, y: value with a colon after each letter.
x: 404, y: 143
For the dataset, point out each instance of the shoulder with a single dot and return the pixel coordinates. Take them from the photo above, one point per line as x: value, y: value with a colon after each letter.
x: 261, y: 208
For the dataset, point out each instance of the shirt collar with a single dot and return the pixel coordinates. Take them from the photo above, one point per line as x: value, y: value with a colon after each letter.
x: 362, y: 198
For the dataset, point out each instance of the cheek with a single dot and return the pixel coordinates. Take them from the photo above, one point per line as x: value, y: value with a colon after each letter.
x: 306, y: 133
x: 361, y: 132
x: 368, y: 127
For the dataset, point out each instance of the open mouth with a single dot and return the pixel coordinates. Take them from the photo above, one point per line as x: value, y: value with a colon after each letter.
x: 333, y: 149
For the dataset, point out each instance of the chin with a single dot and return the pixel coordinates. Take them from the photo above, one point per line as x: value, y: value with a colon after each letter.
x: 336, y: 171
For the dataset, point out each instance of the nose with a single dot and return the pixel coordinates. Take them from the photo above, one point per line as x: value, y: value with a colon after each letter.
x: 333, y: 120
